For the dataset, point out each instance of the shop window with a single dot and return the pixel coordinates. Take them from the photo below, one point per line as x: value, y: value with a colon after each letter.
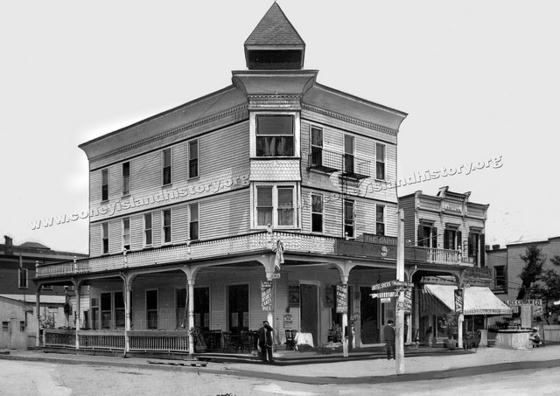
x: 202, y: 309
x: 238, y: 308
x: 106, y: 310
x: 275, y: 135
x: 152, y: 309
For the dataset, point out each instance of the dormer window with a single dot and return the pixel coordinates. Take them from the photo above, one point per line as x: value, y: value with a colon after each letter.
x: 275, y: 135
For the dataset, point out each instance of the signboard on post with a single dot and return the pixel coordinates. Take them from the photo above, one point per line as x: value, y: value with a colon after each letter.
x: 341, y: 299
x: 393, y: 283
x: 458, y: 300
x: 266, y: 295
x: 384, y: 295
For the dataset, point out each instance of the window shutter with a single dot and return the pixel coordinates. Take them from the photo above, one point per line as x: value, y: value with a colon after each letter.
x: 420, y: 241
x: 446, y: 239
x: 434, y: 237
x: 459, y: 241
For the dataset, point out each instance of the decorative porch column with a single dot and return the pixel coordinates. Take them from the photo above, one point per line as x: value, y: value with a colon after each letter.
x: 38, y: 308
x: 191, y: 313
x: 344, y: 270
x: 77, y: 285
x: 127, y: 291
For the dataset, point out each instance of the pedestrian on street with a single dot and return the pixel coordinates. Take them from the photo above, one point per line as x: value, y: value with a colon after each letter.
x: 265, y: 342
x: 389, y: 335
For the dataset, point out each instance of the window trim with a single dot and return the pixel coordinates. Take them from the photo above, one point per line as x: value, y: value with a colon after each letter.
x: 275, y: 186
x: 318, y: 149
x: 353, y: 223
x: 104, y: 185
x: 146, y: 229
x: 383, y: 161
x: 105, y: 238
x: 322, y: 213
x: 377, y: 222
x: 164, y: 167
x: 125, y: 234
x: 23, y: 281
x: 163, y: 241
x: 126, y: 178
x: 190, y: 159
x: 253, y: 132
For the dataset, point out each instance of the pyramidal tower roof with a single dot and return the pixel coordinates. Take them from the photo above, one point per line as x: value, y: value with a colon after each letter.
x: 274, y: 43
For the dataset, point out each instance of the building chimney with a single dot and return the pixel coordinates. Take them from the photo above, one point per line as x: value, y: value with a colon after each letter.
x: 8, y: 245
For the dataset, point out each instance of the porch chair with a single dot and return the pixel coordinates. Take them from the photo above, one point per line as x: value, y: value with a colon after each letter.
x: 246, y: 342
x: 228, y: 343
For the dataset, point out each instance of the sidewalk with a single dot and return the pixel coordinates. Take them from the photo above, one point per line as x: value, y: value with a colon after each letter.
x: 363, y: 370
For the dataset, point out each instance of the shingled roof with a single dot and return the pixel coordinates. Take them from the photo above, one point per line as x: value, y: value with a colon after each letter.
x: 274, y: 43
x: 274, y: 29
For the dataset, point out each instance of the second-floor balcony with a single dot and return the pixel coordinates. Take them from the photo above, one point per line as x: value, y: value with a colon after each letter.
x: 384, y: 249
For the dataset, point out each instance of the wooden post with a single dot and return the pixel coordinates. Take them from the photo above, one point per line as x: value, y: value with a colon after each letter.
x: 191, y: 315
x: 38, y: 308
x: 77, y: 313
x: 399, y: 331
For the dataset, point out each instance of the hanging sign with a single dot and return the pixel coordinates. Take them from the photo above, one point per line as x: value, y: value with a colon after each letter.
x: 458, y: 300
x: 341, y: 299
x: 407, y: 303
x: 384, y: 295
x: 266, y: 295
x: 392, y: 283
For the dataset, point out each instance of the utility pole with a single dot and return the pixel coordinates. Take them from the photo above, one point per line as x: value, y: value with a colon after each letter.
x: 399, y: 331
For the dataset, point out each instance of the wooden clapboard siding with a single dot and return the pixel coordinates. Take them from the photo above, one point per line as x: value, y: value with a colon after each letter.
x: 115, y: 236
x: 179, y: 224
x: 226, y: 215
x: 224, y: 149
x: 95, y: 233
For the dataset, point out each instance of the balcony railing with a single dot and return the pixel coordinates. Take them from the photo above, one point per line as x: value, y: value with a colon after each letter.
x: 195, y: 251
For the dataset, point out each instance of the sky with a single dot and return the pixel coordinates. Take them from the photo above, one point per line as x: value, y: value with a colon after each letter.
x: 479, y: 81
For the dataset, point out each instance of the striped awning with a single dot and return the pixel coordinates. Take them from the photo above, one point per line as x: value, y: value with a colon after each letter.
x: 476, y: 301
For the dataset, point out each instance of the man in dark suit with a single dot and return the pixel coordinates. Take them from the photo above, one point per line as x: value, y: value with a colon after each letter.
x: 265, y: 342
x: 389, y: 335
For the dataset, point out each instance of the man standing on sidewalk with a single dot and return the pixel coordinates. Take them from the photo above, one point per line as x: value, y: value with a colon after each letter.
x: 265, y: 342
x: 389, y: 335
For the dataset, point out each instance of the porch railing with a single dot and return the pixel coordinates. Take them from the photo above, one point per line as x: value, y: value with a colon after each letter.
x: 196, y: 250
x: 157, y: 340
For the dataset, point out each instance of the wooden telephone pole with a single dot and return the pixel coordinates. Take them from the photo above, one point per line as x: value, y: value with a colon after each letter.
x: 399, y: 331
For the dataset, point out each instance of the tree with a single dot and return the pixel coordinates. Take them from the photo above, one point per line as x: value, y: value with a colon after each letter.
x: 548, y: 289
x: 534, y: 260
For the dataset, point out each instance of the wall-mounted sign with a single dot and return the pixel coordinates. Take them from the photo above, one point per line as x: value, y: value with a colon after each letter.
x: 519, y: 303
x: 451, y: 206
x: 293, y: 296
x: 384, y: 295
x: 266, y: 295
x: 288, y: 321
x: 341, y: 299
x: 458, y: 293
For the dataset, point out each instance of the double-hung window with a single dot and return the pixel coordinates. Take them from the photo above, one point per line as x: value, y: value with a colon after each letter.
x: 166, y: 226
x: 152, y: 309
x: 166, y: 159
x: 275, y: 135
x: 105, y: 184
x: 500, y: 276
x: 126, y: 233
x: 380, y: 161
x: 348, y: 154
x: 316, y: 146
x: 316, y: 213
x: 380, y: 219
x: 193, y: 158
x: 147, y: 229
x: 126, y: 178
x: 105, y: 238
x: 452, y: 239
x: 427, y: 235
x: 275, y: 205
x: 193, y: 221
x: 22, y: 281
x: 349, y: 221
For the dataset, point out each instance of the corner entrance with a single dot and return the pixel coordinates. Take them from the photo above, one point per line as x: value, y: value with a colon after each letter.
x: 310, y: 311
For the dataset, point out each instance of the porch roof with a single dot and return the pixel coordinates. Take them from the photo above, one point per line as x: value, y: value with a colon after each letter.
x: 31, y: 298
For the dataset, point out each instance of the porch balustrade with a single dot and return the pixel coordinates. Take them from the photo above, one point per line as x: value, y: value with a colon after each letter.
x: 197, y: 250
x: 156, y: 340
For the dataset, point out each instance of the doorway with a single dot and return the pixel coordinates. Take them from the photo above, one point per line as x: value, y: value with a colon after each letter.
x: 310, y: 311
x: 238, y: 308
x: 368, y: 317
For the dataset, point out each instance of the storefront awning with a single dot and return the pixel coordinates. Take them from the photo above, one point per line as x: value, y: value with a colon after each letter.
x: 476, y: 301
